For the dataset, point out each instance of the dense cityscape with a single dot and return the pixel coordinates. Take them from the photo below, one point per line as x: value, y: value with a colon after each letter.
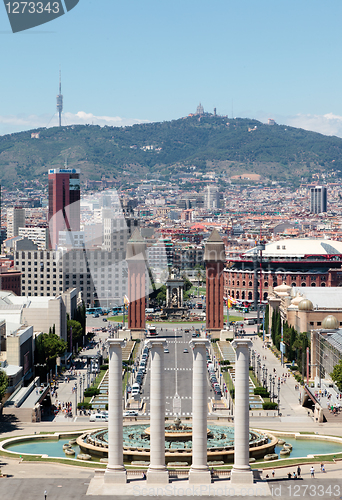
x: 170, y: 250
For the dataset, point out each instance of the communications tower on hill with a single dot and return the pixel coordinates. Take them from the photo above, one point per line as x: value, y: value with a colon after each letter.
x: 60, y: 100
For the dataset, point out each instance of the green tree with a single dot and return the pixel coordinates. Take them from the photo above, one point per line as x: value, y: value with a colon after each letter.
x: 48, y: 347
x: 3, y: 384
x: 161, y: 295
x: 80, y: 316
x: 77, y: 332
x: 336, y: 374
x: 267, y: 318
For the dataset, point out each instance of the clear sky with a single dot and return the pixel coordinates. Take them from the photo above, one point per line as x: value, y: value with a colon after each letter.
x: 132, y: 60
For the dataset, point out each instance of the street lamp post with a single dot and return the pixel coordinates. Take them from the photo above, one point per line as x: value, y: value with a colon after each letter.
x: 257, y: 369
x: 83, y: 376
x: 80, y: 389
x: 273, y: 381
x: 270, y: 386
x: 76, y: 399
x: 278, y: 393
x: 263, y: 375
x: 266, y: 377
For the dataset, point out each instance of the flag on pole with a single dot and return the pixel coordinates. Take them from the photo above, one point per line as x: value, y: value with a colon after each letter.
x: 126, y: 300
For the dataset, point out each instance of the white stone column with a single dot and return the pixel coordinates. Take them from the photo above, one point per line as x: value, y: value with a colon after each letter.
x: 199, y: 471
x: 241, y: 472
x: 157, y: 472
x: 115, y: 472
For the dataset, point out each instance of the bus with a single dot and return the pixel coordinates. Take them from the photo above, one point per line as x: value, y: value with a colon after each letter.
x: 94, y: 310
x: 151, y: 330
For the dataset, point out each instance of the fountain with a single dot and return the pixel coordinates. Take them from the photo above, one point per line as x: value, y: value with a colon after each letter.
x: 178, y: 443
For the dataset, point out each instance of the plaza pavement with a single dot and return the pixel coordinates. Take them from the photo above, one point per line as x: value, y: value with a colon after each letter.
x: 29, y: 480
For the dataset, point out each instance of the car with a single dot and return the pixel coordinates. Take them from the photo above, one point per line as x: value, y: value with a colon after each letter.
x: 96, y: 315
x: 135, y: 392
x: 130, y: 413
x: 98, y: 417
x: 104, y: 319
x: 185, y: 350
x: 166, y: 351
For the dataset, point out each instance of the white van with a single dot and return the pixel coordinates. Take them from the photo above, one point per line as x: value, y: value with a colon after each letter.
x: 98, y: 417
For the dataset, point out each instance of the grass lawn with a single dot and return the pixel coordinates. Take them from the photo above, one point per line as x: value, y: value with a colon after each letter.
x: 201, y: 291
x: 118, y: 318
x: 254, y: 379
x: 232, y: 317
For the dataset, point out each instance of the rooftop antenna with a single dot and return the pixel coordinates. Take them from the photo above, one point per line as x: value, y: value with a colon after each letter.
x: 60, y: 100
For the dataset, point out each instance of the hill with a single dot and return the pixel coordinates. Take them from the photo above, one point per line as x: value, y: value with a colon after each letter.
x: 228, y: 146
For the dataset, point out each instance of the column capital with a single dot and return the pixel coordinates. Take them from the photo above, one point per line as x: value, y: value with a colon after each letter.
x: 115, y: 342
x: 237, y: 343
x: 150, y: 343
x: 199, y: 342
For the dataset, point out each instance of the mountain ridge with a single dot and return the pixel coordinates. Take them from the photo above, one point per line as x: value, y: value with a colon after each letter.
x: 228, y: 146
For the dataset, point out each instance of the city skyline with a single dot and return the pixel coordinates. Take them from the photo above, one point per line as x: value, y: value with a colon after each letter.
x: 157, y: 62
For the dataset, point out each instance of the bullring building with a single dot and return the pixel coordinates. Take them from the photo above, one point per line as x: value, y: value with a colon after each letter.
x: 296, y: 262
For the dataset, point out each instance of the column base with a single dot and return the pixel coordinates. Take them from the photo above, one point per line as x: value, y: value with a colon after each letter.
x: 241, y: 476
x: 124, y: 334
x: 199, y: 476
x: 138, y: 334
x: 157, y: 476
x: 226, y: 335
x: 112, y: 475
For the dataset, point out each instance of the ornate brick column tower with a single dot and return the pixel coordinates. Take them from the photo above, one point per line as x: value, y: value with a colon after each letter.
x: 136, y: 257
x: 214, y: 258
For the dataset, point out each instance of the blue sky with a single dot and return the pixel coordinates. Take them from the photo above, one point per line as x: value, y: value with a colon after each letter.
x: 153, y: 60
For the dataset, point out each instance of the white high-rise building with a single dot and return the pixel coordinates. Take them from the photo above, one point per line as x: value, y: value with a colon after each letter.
x: 211, y: 197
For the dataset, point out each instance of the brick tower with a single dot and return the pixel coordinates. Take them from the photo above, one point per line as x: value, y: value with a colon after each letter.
x: 214, y: 258
x: 136, y: 258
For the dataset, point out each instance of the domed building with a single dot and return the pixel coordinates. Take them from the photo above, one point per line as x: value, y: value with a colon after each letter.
x: 317, y: 312
x: 305, y: 305
x: 330, y: 322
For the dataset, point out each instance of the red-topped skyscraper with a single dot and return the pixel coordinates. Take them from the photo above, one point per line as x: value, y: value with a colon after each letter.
x: 64, y: 202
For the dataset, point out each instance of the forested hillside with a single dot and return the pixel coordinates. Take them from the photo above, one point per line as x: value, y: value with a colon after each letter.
x: 229, y: 146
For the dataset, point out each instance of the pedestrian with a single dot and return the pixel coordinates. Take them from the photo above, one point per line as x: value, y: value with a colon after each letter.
x: 322, y: 467
x: 298, y: 471
x: 312, y: 472
x: 273, y: 473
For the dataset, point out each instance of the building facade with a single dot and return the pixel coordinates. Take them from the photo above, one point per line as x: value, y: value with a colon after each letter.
x: 15, y: 220
x: 295, y: 262
x: 64, y: 202
x: 318, y: 199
